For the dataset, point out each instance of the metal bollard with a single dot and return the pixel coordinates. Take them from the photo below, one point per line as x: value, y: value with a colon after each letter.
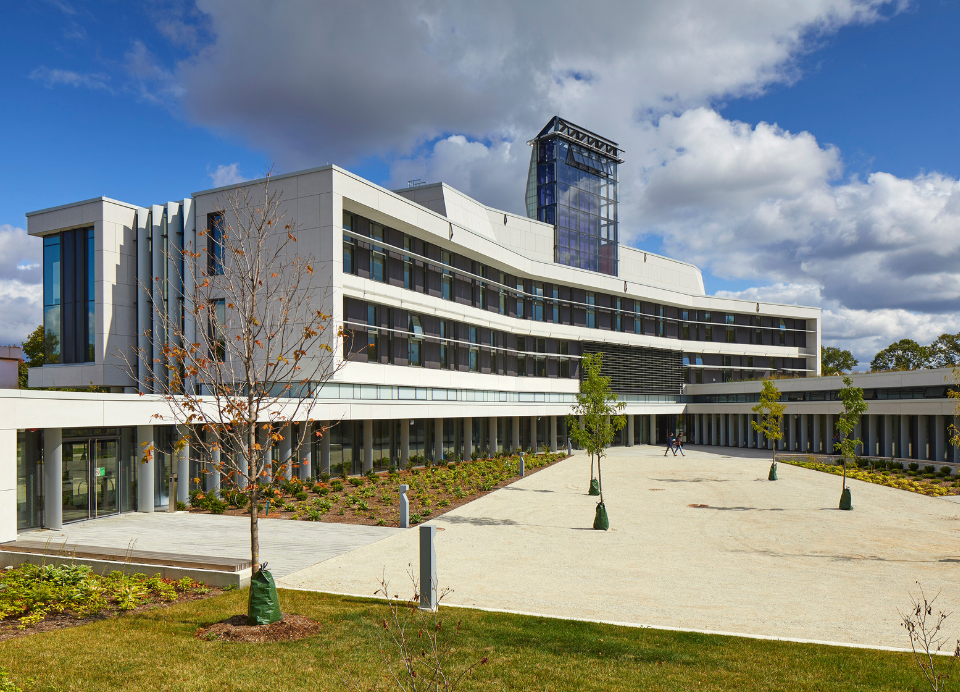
x: 569, y: 447
x: 428, y: 568
x: 172, y: 499
x: 404, y: 507
x: 522, y: 466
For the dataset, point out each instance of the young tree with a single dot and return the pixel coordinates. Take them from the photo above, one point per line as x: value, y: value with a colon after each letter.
x: 833, y: 361
x: 32, y: 348
x: 600, y: 409
x: 905, y: 354
x: 770, y: 409
x: 945, y: 351
x: 255, y: 344
x: 853, y: 408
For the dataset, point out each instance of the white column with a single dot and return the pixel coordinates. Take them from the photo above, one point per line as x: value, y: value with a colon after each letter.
x: 145, y: 463
x: 243, y: 464
x: 325, y: 448
x: 467, y: 437
x: 713, y: 428
x: 8, y: 483
x: 629, y: 440
x: 183, y: 465
x: 553, y: 433
x: 741, y: 430
x: 366, y: 462
x: 887, y: 450
x: 922, y: 434
x: 267, y: 445
x: 285, y: 451
x: 722, y: 424
x: 871, y: 421
x: 159, y: 328
x: 212, y: 468
x: 516, y: 433
x: 696, y: 429
x: 404, y: 442
x: 817, y: 449
x: 53, y: 479
x: 653, y: 429
x: 830, y: 432
x: 438, y: 440
x: 804, y: 433
x: 493, y: 436
x: 533, y: 433
x: 939, y: 451
x: 305, y: 451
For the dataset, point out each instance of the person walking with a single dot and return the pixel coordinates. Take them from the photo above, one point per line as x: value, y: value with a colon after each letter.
x: 670, y: 441
x: 679, y: 445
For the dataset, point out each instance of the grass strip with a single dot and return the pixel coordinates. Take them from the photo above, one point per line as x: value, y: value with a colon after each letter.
x: 157, y: 651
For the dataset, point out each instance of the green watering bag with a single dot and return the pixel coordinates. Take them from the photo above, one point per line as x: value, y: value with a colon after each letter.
x: 594, y: 487
x: 264, y: 606
x: 601, y: 522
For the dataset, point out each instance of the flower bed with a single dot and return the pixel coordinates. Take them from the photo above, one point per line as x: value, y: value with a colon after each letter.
x: 39, y: 598
x: 374, y: 499
x: 924, y: 480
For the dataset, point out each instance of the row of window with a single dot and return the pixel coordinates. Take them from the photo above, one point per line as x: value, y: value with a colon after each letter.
x: 377, y: 249
x: 69, y: 305
x: 828, y: 395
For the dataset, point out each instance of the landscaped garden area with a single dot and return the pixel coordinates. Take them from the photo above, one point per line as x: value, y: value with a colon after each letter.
x: 926, y: 480
x: 157, y: 650
x: 374, y: 499
x: 37, y: 598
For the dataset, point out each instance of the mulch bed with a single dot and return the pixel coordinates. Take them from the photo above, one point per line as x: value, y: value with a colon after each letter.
x: 235, y: 629
x: 10, y: 629
x: 388, y: 512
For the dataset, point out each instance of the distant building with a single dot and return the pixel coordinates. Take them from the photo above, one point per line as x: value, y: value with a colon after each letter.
x: 10, y: 357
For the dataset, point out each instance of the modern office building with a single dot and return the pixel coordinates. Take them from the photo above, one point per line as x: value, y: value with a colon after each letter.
x: 465, y: 325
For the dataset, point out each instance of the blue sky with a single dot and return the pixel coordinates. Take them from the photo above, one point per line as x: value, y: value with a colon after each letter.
x: 149, y: 102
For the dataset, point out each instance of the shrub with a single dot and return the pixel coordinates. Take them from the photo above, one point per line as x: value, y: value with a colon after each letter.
x: 415, y: 518
x: 324, y: 477
x: 945, y: 470
x: 443, y: 503
x: 336, y: 486
x: 301, y: 496
x: 313, y: 515
x: 381, y: 522
x: 356, y: 481
x: 913, y: 466
x: 929, y: 468
x: 181, y: 506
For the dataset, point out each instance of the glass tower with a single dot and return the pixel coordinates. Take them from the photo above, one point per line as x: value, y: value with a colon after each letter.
x: 572, y: 184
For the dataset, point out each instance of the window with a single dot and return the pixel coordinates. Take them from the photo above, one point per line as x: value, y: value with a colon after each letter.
x: 474, y: 359
x: 69, y: 326
x: 617, y: 317
x: 414, y: 341
x: 520, y: 298
x: 378, y: 259
x: 349, y: 246
x: 476, y: 286
x: 685, y: 327
x: 756, y: 334
x: 494, y: 354
x: 537, y: 301
x: 407, y: 265
x: 446, y: 333
x: 446, y: 278
x: 503, y: 294
x: 521, y: 357
x: 217, y: 330
x: 591, y: 310
x: 708, y: 328
x: 556, y: 304
x: 783, y: 333
x: 564, y: 362
x: 541, y: 362
x: 661, y: 325
x: 373, y: 333
x: 51, y: 299
x: 215, y: 228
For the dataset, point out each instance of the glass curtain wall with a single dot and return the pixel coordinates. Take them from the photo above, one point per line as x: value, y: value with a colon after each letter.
x: 29, y: 490
x: 577, y: 192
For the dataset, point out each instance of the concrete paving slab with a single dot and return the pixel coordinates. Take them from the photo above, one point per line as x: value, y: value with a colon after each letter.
x: 286, y: 545
x: 763, y: 558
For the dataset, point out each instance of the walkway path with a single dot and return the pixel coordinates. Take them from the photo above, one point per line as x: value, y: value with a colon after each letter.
x: 765, y: 558
x: 286, y: 545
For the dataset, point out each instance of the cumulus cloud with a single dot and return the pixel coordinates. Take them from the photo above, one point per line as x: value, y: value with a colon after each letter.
x: 226, y: 175
x: 21, y: 292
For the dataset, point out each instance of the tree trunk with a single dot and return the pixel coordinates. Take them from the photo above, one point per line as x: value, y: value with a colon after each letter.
x: 254, y: 529
x: 844, y: 473
x: 591, y: 465
x: 600, y: 479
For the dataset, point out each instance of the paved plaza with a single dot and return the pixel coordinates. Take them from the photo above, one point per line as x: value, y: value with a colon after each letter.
x: 286, y: 545
x: 763, y: 558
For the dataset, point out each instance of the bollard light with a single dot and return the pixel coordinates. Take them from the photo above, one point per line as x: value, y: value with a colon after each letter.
x: 404, y: 507
x: 172, y: 494
x: 522, y: 466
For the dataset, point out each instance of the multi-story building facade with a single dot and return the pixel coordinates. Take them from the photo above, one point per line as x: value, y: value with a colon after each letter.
x: 465, y: 326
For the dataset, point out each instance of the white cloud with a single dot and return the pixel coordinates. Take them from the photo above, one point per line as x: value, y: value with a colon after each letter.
x: 20, y: 255
x: 52, y: 77
x: 226, y: 175
x: 21, y: 291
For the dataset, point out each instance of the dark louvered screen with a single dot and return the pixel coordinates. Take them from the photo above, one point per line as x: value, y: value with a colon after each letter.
x: 634, y: 370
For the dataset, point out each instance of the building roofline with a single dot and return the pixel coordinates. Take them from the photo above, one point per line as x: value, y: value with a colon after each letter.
x: 86, y: 201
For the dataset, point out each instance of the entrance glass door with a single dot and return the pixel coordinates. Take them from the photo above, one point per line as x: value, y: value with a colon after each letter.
x: 90, y: 479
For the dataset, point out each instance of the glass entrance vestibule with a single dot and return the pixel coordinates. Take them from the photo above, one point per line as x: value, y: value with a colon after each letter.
x: 91, y: 478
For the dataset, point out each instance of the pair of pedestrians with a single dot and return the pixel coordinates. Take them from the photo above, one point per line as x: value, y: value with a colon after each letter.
x: 675, y: 444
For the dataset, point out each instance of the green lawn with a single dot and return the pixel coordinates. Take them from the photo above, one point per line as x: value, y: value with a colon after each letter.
x: 157, y: 650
